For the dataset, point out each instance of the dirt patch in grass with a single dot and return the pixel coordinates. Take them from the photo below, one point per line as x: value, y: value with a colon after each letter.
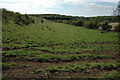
x: 26, y: 70
x: 86, y: 74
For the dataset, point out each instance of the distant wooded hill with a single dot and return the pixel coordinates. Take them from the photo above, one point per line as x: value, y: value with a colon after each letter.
x: 88, y: 22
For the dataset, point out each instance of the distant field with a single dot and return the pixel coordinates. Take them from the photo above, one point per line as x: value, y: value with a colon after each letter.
x: 57, y: 50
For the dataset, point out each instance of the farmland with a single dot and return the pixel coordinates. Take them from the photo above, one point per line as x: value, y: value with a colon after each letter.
x: 56, y: 50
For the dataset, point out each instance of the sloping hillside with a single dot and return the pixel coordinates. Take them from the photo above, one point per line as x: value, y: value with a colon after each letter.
x: 46, y: 49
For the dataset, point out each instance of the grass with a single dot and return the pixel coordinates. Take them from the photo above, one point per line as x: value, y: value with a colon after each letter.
x: 6, y: 66
x: 68, y: 38
x: 113, y: 75
x: 64, y: 58
x: 51, y: 37
x: 83, y: 67
x: 78, y: 48
x: 17, y: 53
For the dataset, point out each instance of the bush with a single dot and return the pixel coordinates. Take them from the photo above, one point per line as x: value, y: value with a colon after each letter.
x: 117, y: 28
x: 23, y: 19
x: 77, y: 23
x: 42, y: 21
x: 105, y: 25
x: 91, y: 25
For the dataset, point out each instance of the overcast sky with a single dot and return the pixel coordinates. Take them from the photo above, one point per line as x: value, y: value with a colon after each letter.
x: 64, y: 7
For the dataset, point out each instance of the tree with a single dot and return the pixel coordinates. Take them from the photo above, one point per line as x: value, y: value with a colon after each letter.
x: 92, y: 24
x: 117, y: 28
x: 105, y: 25
x: 79, y: 23
x: 42, y: 21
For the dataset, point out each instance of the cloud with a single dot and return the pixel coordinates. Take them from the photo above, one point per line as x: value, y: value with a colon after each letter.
x: 25, y: 6
x: 97, y: 6
x: 93, y: 9
x: 40, y: 3
x: 77, y: 2
x: 54, y: 6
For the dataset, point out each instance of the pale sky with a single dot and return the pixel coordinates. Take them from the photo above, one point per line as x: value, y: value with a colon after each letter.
x: 63, y: 7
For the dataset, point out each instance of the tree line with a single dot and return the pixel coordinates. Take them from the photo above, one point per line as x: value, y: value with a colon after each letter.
x: 16, y: 17
x: 88, y: 22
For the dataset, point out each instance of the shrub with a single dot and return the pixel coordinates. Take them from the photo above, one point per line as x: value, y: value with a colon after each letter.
x: 23, y: 19
x: 105, y: 25
x: 91, y: 25
x: 41, y: 21
x: 117, y: 28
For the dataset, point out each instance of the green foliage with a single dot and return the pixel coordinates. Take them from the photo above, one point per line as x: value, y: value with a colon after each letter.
x: 76, y: 23
x: 113, y: 75
x: 105, y: 25
x: 7, y: 15
x: 23, y: 20
x: 78, y: 48
x: 93, y: 56
x: 42, y: 21
x: 18, y: 53
x: 48, y: 35
x: 6, y: 66
x: 64, y: 58
x: 83, y: 67
x: 16, y: 17
x: 117, y: 28
x: 62, y: 18
x: 91, y: 25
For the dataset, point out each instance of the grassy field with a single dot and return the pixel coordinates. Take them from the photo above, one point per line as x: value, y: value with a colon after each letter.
x: 56, y: 50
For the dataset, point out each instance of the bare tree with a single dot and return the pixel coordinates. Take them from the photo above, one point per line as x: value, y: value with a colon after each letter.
x: 116, y: 12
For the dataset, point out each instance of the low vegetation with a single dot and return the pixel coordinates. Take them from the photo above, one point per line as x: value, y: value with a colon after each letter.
x: 83, y: 67
x: 117, y: 28
x: 6, y: 66
x: 40, y: 43
x: 18, y: 18
x: 64, y: 58
x: 18, y: 53
x: 78, y: 48
x: 114, y: 75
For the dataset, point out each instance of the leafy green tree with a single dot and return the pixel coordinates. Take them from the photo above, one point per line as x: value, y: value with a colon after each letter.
x: 91, y: 24
x: 105, y: 25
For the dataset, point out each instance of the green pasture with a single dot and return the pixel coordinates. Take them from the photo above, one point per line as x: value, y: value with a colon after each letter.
x: 57, y: 37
